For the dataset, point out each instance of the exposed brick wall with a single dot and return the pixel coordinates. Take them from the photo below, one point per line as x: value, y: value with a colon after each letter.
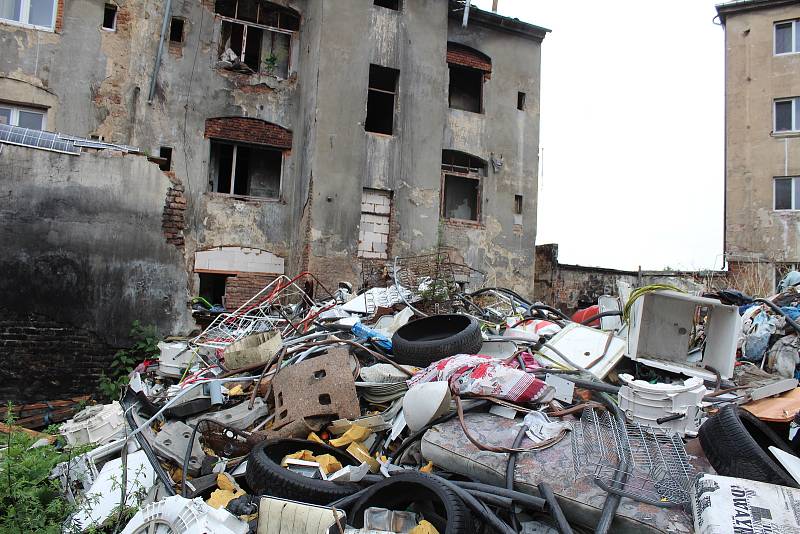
x: 243, y: 286
x: 59, y: 16
x: 47, y: 360
x: 173, y: 217
x: 467, y: 57
x: 248, y: 130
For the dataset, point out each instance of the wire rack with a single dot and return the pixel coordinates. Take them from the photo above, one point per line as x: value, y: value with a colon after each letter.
x: 431, y: 278
x: 653, y: 459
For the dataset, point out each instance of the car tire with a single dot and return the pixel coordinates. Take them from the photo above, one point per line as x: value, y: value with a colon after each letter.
x: 736, y: 445
x: 430, y: 339
x: 446, y: 511
x: 265, y: 476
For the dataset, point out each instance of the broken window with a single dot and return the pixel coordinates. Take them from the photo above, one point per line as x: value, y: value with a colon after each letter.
x: 466, y: 89
x: 389, y: 4
x: 787, y: 37
x: 380, y: 99
x: 787, y: 115
x: 461, y: 181
x: 23, y: 117
x: 110, y: 17
x: 787, y: 193
x: 212, y: 287
x: 165, y: 153
x: 38, y: 13
x: 176, y: 30
x: 256, y: 36
x: 245, y: 170
x: 521, y: 101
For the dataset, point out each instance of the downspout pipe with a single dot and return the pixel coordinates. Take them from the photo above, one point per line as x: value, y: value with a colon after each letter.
x: 164, y: 26
x: 466, y: 14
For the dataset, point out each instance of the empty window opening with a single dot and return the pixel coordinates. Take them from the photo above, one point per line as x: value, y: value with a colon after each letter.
x: 518, y: 204
x: 176, y: 30
x: 521, y: 101
x: 380, y: 99
x: 787, y: 37
x: 22, y: 117
x: 787, y: 193
x: 38, y: 13
x: 787, y: 115
x: 110, y: 17
x: 165, y: 153
x: 466, y: 89
x: 389, y: 4
x: 212, y: 287
x: 256, y: 36
x: 245, y: 170
x: 462, y: 175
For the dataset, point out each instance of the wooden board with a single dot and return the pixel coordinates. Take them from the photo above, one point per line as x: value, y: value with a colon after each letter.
x: 780, y: 409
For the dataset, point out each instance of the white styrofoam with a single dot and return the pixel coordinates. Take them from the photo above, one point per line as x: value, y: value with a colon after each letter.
x: 662, y: 322
x: 583, y: 345
x: 95, y: 424
x: 644, y: 403
x: 790, y: 462
x: 174, y: 358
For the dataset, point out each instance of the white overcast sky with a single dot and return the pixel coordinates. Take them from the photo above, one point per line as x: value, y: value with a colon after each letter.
x: 632, y: 131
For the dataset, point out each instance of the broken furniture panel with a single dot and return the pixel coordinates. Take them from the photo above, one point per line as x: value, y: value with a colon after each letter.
x: 172, y: 441
x: 663, y: 323
x: 595, y: 350
x: 321, y: 386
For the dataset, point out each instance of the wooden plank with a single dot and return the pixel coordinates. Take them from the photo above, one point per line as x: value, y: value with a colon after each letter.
x: 780, y: 409
x: 5, y: 429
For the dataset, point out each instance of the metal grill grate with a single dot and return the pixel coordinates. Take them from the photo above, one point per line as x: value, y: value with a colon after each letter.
x: 653, y: 459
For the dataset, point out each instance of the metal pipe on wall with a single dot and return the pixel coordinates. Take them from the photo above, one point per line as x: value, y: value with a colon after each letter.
x: 164, y: 25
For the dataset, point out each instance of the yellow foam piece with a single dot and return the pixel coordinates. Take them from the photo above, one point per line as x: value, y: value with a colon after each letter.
x: 299, y: 455
x: 221, y: 497
x: 424, y: 527
x: 314, y: 437
x: 354, y: 433
x: 328, y: 463
x: 360, y: 453
x: 426, y: 469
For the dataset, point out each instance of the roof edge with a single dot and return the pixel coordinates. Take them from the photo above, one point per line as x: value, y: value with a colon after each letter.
x: 496, y: 21
x: 741, y: 6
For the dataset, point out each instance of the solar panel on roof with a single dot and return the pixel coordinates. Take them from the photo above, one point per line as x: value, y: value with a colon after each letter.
x: 15, y: 135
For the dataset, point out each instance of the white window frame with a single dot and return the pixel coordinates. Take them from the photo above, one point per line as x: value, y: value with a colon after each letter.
x: 15, y: 113
x: 795, y: 44
x: 25, y: 12
x: 794, y: 182
x: 795, y: 126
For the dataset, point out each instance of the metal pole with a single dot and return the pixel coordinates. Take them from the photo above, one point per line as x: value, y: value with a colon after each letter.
x: 164, y: 26
x: 466, y: 14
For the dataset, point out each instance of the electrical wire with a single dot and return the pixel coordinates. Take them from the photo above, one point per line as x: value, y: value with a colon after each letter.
x: 636, y: 293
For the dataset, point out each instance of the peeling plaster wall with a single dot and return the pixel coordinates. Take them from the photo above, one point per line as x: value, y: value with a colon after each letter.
x: 754, y: 78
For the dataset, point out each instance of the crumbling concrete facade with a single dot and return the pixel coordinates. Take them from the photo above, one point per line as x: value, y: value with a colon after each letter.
x: 762, y: 141
x: 267, y: 125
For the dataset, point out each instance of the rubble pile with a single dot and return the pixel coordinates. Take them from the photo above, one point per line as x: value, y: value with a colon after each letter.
x: 419, y: 406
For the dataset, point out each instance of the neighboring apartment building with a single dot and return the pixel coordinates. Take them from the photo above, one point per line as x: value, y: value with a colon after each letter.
x: 275, y: 137
x: 762, y: 139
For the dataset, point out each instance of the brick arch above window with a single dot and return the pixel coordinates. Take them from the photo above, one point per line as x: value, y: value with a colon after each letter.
x: 249, y: 130
x: 465, y: 56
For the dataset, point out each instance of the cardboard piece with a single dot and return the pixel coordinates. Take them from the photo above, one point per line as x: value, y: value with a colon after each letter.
x: 252, y: 349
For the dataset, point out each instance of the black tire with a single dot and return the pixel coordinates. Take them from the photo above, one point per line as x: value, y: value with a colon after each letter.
x: 265, y: 476
x: 427, y: 340
x: 735, y: 443
x: 445, y: 510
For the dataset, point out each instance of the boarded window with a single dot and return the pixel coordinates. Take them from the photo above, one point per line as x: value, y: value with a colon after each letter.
x: 373, y: 235
x: 462, y: 175
x: 380, y: 99
x: 466, y: 89
x: 245, y: 170
x: 256, y: 36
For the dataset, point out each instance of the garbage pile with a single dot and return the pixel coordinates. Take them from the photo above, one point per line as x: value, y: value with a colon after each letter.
x: 420, y: 407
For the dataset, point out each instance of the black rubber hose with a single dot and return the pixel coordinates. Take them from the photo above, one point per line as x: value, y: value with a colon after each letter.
x: 593, y: 318
x: 166, y: 481
x: 416, y: 435
x: 495, y: 522
x: 495, y: 500
x: 510, y: 466
x: 555, y: 508
x: 613, y: 499
x: 550, y: 309
x: 601, y: 387
x: 777, y: 309
x: 510, y: 292
x: 188, y: 453
x: 536, y: 503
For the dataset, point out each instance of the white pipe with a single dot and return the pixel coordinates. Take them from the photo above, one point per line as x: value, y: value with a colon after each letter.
x: 466, y: 14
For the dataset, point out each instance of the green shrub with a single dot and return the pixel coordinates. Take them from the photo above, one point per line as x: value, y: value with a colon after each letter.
x: 145, y: 347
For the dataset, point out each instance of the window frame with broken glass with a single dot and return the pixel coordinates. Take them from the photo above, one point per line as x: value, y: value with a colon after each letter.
x: 216, y: 158
x: 472, y: 173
